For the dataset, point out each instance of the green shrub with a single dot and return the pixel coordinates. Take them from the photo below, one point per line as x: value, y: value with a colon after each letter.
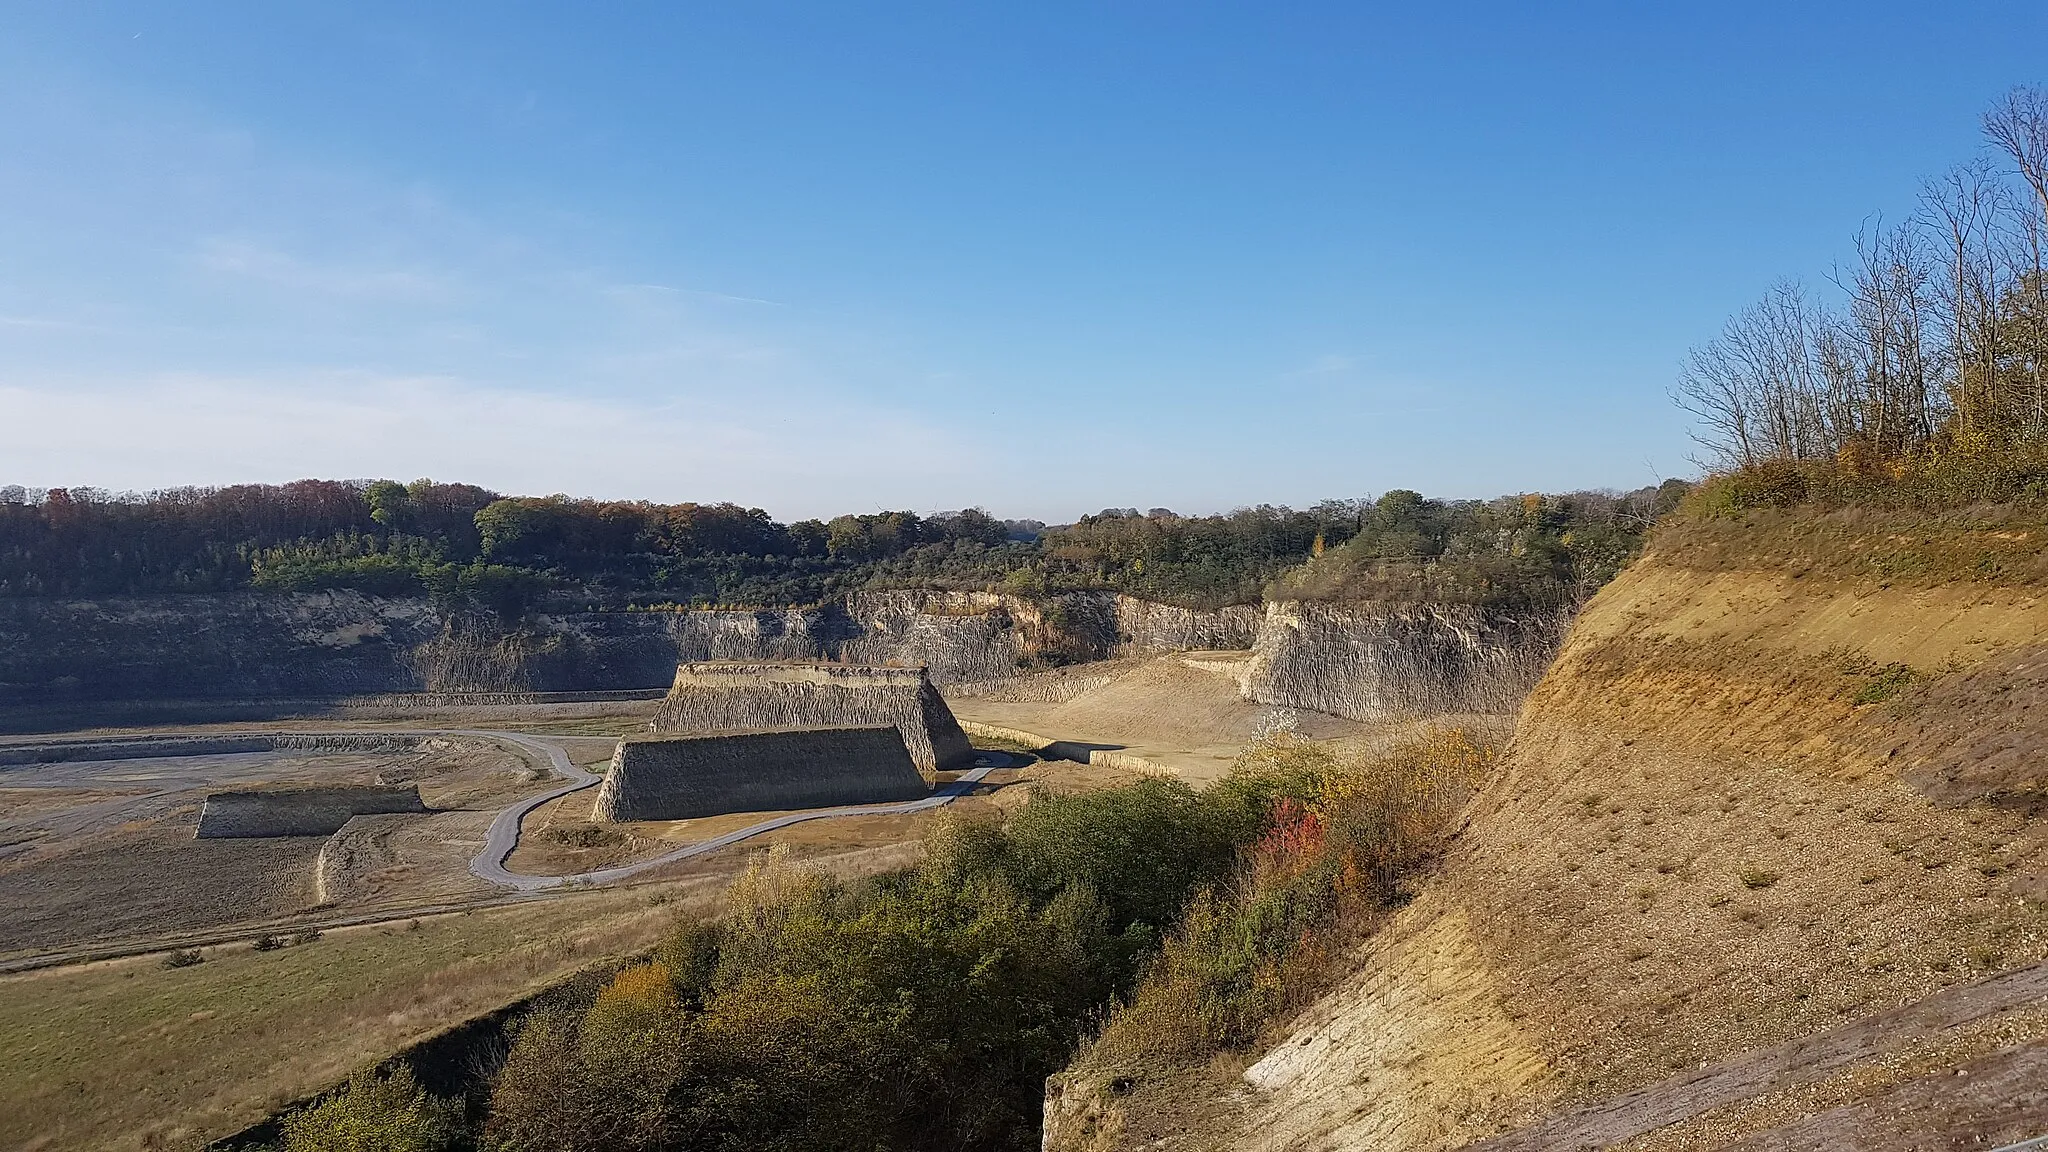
x: 922, y: 1009
x: 183, y: 958
x: 1883, y: 684
x: 1334, y: 842
x: 376, y: 1114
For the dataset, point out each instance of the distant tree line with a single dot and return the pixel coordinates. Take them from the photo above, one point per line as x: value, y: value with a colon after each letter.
x: 1531, y: 550
x: 1937, y: 352
x: 471, y: 549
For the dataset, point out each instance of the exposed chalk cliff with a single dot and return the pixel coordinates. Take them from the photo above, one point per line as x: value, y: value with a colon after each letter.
x: 1374, y: 661
x: 1359, y: 661
x: 683, y: 778
x: 317, y: 811
x: 252, y: 645
x: 731, y: 696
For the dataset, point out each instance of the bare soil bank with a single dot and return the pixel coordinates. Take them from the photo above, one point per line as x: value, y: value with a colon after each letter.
x: 1758, y: 799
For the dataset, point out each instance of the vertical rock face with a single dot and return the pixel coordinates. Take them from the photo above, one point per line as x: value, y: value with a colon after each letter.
x: 1142, y: 626
x: 956, y: 635
x: 731, y: 696
x: 683, y: 778
x: 242, y: 644
x: 1374, y: 661
x: 1360, y: 661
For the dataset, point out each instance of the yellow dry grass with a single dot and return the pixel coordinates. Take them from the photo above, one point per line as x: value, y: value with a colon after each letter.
x: 130, y: 1055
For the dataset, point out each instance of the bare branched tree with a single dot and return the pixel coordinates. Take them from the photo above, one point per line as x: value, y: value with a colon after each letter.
x: 1966, y: 209
x: 1889, y: 311
x: 2018, y: 126
x: 1761, y: 389
x: 1944, y: 342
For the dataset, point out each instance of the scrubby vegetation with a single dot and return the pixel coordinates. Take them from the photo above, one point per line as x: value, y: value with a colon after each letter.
x: 1531, y: 550
x: 473, y: 551
x: 924, y: 1009
x: 1337, y: 853
x: 376, y: 1114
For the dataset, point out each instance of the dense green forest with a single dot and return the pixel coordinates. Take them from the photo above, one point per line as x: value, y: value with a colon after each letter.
x: 468, y: 547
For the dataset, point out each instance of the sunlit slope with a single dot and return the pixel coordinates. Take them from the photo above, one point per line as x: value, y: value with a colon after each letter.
x: 1783, y: 777
x: 1185, y: 711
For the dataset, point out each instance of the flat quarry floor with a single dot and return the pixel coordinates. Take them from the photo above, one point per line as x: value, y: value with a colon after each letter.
x: 129, y: 1054
x: 94, y: 851
x: 1183, y: 712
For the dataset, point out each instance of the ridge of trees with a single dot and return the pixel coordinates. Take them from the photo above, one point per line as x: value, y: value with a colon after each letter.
x: 471, y: 549
x: 1928, y: 378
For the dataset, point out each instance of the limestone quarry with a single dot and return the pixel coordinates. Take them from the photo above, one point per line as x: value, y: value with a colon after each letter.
x: 1762, y: 869
x: 1355, y: 660
x: 1729, y: 822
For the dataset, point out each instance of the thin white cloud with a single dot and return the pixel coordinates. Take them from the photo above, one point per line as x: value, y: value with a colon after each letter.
x: 39, y: 322
x: 200, y: 430
x: 270, y: 265
x: 707, y: 294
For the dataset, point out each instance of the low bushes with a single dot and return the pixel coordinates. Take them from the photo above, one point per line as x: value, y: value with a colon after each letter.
x: 1923, y: 481
x: 1322, y: 874
x: 376, y: 1114
x: 924, y: 1009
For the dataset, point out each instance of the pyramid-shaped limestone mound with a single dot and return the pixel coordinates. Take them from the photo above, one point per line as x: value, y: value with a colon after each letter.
x: 738, y: 696
x: 686, y: 777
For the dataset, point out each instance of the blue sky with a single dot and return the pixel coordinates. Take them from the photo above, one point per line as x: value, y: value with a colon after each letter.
x: 1043, y: 258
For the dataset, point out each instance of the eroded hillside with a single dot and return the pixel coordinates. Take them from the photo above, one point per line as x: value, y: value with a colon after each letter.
x: 1782, y: 779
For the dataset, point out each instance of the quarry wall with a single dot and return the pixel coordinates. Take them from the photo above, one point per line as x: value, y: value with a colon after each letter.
x: 1370, y: 662
x: 151, y: 747
x: 686, y: 777
x: 1350, y: 660
x: 322, y: 644
x: 728, y: 696
x: 317, y: 811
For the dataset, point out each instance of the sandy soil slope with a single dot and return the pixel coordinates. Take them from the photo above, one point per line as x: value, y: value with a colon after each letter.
x: 1757, y: 800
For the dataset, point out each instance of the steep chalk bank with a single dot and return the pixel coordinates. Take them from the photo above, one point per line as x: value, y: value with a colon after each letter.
x: 1376, y: 661
x: 731, y: 696
x: 684, y: 778
x: 1361, y: 661
x: 1777, y: 786
x: 249, y: 645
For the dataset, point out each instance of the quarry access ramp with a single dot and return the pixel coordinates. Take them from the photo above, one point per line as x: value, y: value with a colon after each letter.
x: 489, y: 864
